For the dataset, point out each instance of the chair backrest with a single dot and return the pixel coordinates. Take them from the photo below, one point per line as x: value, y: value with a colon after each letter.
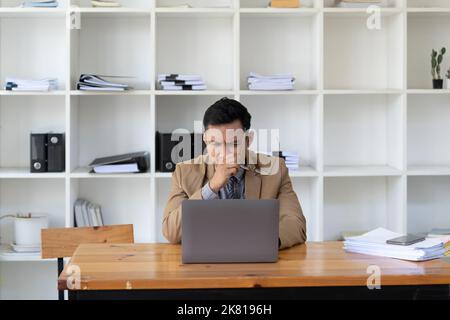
x: 62, y: 242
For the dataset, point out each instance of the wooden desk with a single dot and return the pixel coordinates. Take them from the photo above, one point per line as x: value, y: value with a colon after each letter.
x: 156, y: 271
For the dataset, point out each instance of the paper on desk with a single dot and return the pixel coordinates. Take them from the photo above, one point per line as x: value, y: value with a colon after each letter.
x: 374, y: 243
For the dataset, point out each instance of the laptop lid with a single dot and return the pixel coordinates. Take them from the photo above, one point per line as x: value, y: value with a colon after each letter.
x: 230, y: 231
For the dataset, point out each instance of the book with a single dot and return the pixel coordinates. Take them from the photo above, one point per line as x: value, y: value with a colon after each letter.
x: 92, y: 82
x: 87, y: 214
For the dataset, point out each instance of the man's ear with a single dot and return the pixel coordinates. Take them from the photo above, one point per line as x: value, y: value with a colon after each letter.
x: 250, y: 137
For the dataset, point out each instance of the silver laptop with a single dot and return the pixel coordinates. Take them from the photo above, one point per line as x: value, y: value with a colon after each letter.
x: 228, y: 231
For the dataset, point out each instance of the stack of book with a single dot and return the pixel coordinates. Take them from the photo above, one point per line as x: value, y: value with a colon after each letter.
x: 105, y: 3
x: 87, y: 214
x: 285, y: 3
x: 15, y: 84
x: 444, y: 235
x: 40, y: 4
x: 124, y: 163
x: 270, y: 82
x: 181, y: 82
x: 361, y: 3
x: 91, y: 82
x: 374, y: 243
x: 290, y: 158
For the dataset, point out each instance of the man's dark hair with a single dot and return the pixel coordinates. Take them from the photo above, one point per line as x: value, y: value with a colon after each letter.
x: 226, y: 111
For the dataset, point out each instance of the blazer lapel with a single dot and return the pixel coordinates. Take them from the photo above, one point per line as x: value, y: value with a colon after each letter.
x: 252, y: 185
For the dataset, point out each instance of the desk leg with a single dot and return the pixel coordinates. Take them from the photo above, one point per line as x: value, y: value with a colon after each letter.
x: 305, y: 293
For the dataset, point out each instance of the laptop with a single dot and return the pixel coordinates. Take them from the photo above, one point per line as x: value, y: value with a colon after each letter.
x: 229, y: 231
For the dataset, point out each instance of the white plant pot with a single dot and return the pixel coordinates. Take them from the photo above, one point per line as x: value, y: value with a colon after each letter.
x: 27, y: 231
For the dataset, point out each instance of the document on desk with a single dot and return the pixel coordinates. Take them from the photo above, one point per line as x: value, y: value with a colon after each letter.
x: 374, y: 243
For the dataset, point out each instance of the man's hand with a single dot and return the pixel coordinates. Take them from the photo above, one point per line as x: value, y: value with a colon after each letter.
x: 221, y: 175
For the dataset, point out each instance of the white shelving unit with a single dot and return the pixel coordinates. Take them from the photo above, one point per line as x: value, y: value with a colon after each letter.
x: 371, y: 133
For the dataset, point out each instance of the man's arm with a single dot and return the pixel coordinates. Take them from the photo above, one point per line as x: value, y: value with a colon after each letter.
x: 171, y: 226
x: 292, y: 221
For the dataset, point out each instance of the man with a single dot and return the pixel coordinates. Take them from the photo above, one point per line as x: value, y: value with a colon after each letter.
x: 230, y: 171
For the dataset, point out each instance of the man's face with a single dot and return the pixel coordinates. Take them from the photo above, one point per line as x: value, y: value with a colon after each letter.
x: 227, y: 143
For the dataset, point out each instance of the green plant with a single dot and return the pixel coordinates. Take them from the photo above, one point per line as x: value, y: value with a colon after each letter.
x: 436, y: 60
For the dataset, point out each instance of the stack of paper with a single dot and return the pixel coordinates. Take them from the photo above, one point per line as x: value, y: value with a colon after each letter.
x: 40, y: 4
x: 270, y: 82
x: 91, y: 82
x: 105, y: 3
x: 15, y: 84
x: 87, y: 214
x: 181, y: 82
x: 361, y: 3
x: 374, y: 243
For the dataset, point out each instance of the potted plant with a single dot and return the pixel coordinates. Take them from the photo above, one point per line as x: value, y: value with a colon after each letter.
x: 448, y: 78
x: 436, y: 60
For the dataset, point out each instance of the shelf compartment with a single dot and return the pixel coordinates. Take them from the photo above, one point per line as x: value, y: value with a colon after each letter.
x: 107, y: 125
x: 26, y: 45
x: 112, y: 45
x: 298, y: 123
x: 194, y: 4
x: 429, y: 170
x: 354, y: 204
x: 283, y: 44
x: 356, y: 57
x: 428, y: 203
x: 364, y: 131
x: 205, y: 47
x: 426, y: 32
x: 37, y: 196
x: 24, y: 173
x: 428, y: 130
x: 20, y: 116
x: 263, y: 4
x: 123, y: 201
x: 125, y: 4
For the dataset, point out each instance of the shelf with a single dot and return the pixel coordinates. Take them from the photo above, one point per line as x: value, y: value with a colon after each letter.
x: 360, y: 171
x: 32, y: 93
x: 362, y: 204
x: 303, y: 171
x: 428, y: 91
x: 428, y: 203
x: 282, y: 45
x: 277, y: 93
x: 375, y: 63
x: 420, y: 44
x: 429, y: 170
x: 359, y: 12
x: 32, y: 13
x: 84, y: 172
x: 6, y: 255
x: 112, y: 12
x: 24, y: 173
x: 111, y: 93
x: 194, y: 12
x: 363, y: 130
x: 270, y: 12
x: 363, y: 91
x: 207, y: 48
x: 194, y: 93
x: 428, y: 131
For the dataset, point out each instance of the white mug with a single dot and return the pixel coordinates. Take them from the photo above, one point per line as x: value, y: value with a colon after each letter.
x: 27, y: 231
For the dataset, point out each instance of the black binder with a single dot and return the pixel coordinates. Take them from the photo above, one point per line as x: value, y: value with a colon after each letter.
x: 142, y: 159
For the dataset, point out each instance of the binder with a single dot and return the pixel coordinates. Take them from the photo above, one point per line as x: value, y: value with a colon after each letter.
x: 142, y: 159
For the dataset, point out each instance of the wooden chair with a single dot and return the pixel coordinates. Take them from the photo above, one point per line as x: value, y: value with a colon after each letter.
x: 60, y: 243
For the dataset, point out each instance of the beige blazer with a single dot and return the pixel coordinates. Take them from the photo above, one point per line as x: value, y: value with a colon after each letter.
x: 189, y: 178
